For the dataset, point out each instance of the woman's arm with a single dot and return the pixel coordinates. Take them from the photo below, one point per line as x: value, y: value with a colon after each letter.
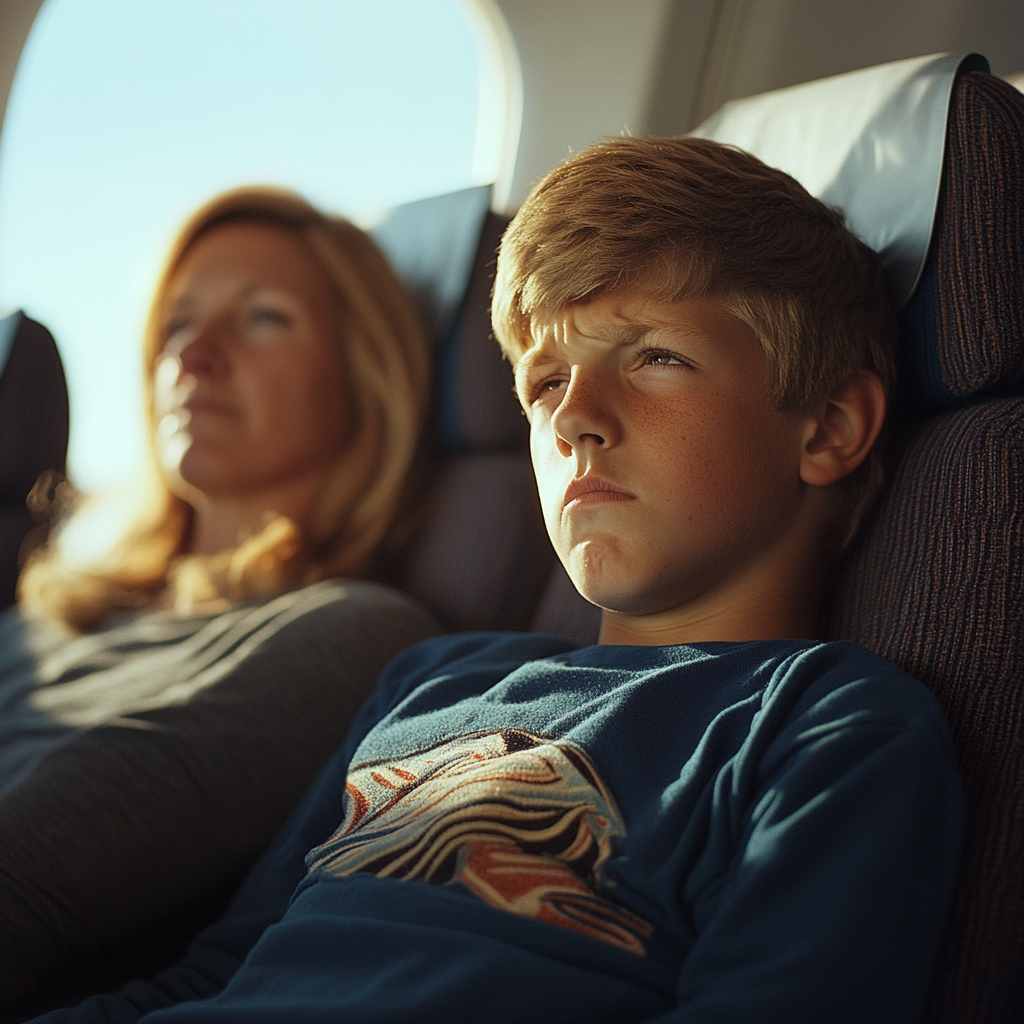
x: 262, y: 899
x: 138, y: 816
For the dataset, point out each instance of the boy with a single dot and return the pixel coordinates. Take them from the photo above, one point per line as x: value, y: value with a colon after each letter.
x: 709, y: 815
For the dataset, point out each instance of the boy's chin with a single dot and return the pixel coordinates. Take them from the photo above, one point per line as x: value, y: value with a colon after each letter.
x: 620, y: 599
x: 614, y: 579
x: 597, y: 581
x: 622, y: 593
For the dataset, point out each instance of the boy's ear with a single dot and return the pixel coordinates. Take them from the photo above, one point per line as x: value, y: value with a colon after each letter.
x: 842, y: 430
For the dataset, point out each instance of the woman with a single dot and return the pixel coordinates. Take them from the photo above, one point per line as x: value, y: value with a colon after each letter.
x: 165, y: 702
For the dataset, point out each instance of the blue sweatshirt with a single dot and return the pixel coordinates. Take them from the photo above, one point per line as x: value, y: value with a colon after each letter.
x: 531, y: 831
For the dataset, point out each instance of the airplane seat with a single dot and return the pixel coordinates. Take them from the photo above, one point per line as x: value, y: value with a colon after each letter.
x: 33, y: 432
x: 935, y: 583
x: 481, y: 558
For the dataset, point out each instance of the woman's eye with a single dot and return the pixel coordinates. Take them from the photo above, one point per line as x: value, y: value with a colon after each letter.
x: 265, y: 325
x: 267, y: 317
x: 175, y: 326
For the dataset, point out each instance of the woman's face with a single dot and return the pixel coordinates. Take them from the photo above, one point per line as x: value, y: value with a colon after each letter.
x: 250, y: 390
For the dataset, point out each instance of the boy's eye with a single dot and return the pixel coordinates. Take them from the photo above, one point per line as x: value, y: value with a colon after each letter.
x: 661, y: 357
x: 546, y: 387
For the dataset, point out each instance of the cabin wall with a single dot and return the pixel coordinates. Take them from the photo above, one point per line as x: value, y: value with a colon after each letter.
x: 592, y: 68
x: 587, y: 72
x: 757, y: 45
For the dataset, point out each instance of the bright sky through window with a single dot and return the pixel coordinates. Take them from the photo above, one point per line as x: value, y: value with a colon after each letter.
x: 125, y: 115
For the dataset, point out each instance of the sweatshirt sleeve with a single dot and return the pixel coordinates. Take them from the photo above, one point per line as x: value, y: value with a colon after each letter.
x: 834, y: 902
x: 138, y: 816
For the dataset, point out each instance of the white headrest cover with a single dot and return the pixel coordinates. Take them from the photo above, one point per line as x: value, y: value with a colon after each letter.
x: 870, y: 142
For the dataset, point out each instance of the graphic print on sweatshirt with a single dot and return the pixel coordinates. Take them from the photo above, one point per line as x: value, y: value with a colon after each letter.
x: 523, y: 822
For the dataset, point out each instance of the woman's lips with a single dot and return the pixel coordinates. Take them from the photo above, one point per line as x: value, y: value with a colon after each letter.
x: 197, y: 406
x: 592, y: 490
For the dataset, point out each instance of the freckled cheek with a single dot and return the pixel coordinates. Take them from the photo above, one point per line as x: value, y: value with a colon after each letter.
x: 703, y: 461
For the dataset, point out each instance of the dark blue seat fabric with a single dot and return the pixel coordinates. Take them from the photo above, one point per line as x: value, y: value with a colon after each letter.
x: 33, y: 434
x: 963, y: 330
x: 481, y: 559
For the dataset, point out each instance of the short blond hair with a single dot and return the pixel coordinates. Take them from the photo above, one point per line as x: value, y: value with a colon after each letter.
x: 359, y: 513
x: 691, y: 218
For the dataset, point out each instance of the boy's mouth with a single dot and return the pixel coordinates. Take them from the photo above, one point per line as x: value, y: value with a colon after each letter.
x: 592, y: 490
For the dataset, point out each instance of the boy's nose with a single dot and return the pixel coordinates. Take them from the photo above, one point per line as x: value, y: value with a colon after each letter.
x: 584, y: 417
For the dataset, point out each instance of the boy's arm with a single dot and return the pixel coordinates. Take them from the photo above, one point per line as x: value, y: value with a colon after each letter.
x: 837, y: 898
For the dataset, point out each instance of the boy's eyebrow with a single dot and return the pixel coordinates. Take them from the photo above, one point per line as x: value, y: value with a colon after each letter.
x: 526, y: 361
x: 618, y: 334
x: 533, y: 355
x: 625, y: 333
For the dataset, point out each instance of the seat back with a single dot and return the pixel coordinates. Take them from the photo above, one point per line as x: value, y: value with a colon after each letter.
x: 481, y: 558
x: 33, y: 432
x: 935, y: 582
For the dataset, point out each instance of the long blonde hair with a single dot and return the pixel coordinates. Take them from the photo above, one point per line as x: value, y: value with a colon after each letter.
x: 360, y: 510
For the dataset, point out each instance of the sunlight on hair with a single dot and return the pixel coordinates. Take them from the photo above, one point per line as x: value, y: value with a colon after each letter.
x: 88, y: 537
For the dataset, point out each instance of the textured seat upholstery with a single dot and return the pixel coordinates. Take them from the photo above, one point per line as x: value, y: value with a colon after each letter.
x: 33, y: 432
x: 936, y: 583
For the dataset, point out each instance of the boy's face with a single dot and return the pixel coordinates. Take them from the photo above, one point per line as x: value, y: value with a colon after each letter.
x: 665, y: 473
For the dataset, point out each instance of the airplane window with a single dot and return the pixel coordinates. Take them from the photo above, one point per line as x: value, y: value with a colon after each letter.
x: 125, y: 116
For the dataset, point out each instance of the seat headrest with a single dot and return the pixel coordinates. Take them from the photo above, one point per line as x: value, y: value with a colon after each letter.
x: 444, y: 250
x: 869, y: 142
x: 926, y: 158
x: 962, y: 333
x: 33, y: 408
x: 431, y: 244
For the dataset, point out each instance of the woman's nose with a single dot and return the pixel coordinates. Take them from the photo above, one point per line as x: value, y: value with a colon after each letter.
x: 584, y: 417
x: 202, y: 352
